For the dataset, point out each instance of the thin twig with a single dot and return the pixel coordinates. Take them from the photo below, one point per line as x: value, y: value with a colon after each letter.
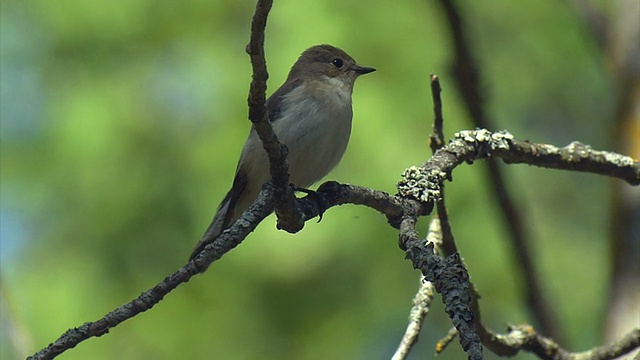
x: 442, y: 344
x: 449, y: 246
x: 419, y: 311
x: 524, y: 337
x: 437, y: 134
x: 285, y: 206
x: 421, y: 301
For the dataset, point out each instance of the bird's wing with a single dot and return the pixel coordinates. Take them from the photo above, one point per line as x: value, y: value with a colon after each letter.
x: 274, y: 103
x: 224, y: 214
x: 226, y: 210
x: 239, y: 184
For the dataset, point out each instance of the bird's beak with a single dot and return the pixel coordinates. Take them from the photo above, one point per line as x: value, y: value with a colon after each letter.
x: 361, y: 70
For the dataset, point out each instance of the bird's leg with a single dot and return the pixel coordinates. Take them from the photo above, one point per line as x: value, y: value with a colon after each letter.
x: 315, y: 197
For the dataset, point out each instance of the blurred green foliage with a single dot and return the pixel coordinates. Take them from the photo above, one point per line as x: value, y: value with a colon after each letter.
x: 122, y: 122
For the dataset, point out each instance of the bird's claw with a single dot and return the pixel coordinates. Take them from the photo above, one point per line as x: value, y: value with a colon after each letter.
x: 317, y: 198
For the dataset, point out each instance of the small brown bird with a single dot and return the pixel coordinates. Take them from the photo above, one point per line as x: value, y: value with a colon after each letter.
x: 311, y: 114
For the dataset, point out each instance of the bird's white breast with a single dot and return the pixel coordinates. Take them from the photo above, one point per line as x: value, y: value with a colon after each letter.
x: 314, y: 124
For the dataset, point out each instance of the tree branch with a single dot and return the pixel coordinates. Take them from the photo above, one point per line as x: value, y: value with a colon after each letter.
x: 425, y: 184
x: 524, y: 337
x: 421, y: 301
x: 422, y: 183
x: 450, y: 279
x: 228, y: 240
x: 437, y: 141
x: 289, y: 218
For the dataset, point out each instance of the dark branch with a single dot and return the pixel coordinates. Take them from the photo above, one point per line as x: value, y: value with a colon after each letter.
x: 332, y: 193
x: 422, y: 183
x: 437, y: 141
x: 449, y: 277
x: 437, y: 134
x: 285, y: 205
x: 421, y: 301
x: 228, y: 240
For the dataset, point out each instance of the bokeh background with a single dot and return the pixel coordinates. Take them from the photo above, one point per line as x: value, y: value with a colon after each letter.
x: 121, y: 126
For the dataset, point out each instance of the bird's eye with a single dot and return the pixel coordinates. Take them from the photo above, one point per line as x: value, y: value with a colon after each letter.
x: 337, y: 62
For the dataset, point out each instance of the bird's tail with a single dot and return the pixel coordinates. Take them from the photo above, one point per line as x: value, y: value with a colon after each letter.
x: 217, y: 226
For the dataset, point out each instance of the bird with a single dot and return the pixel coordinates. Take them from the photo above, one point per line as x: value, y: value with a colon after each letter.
x: 311, y: 113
